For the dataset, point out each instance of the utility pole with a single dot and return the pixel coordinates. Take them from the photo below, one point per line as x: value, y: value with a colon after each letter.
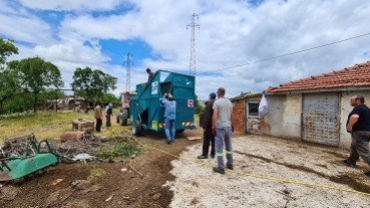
x: 128, y: 63
x: 193, y: 61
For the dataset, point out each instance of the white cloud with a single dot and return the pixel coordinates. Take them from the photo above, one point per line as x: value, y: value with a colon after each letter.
x: 231, y: 33
x: 234, y: 32
x: 18, y: 24
x: 73, y: 52
x: 70, y: 5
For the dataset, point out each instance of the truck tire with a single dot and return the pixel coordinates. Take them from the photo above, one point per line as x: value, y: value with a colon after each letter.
x: 123, y: 121
x: 137, y: 128
x: 123, y: 117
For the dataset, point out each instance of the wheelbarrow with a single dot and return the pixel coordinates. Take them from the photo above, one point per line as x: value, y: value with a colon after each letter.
x: 34, y: 158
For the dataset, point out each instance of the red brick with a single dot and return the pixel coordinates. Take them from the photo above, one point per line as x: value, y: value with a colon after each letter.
x: 239, y: 116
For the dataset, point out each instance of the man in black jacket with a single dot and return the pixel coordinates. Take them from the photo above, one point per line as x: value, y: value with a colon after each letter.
x: 208, y: 136
x: 358, y: 125
x: 109, y: 114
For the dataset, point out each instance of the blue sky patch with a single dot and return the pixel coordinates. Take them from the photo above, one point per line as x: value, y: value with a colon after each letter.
x: 118, y: 50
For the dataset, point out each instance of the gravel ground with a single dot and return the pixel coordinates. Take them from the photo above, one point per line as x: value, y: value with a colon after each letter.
x: 197, y: 186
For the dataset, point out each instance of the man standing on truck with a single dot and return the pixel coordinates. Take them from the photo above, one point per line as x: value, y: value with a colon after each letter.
x: 208, y: 136
x: 222, y: 128
x: 169, y: 117
x: 98, y: 115
x: 150, y: 74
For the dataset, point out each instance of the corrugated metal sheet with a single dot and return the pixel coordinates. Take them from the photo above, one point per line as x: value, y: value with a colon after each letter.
x: 321, y: 119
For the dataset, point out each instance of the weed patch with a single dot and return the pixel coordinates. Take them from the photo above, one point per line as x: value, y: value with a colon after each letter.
x: 121, y: 149
x: 96, y: 173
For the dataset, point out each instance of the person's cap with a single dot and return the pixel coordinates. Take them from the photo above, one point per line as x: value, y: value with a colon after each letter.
x: 148, y: 70
x: 212, y: 95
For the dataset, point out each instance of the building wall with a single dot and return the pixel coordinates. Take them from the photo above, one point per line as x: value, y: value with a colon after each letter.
x: 345, y: 109
x: 292, y: 116
x: 239, y: 116
x: 285, y: 111
x: 284, y: 117
x: 271, y: 124
x: 253, y: 122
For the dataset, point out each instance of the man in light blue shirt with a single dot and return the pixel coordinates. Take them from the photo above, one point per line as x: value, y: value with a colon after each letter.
x: 169, y: 117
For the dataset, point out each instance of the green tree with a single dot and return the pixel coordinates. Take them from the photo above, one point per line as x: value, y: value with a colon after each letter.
x: 9, y: 81
x: 7, y: 48
x: 10, y: 84
x: 92, y: 84
x: 109, y: 97
x: 37, y: 76
x: 198, y: 107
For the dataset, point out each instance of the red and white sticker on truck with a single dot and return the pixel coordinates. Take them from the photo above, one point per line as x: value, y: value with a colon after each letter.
x: 190, y: 103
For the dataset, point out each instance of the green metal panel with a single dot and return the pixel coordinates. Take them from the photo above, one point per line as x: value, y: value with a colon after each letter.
x: 146, y: 108
x: 24, y: 166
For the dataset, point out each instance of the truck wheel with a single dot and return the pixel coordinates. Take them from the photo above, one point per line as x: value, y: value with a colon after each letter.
x: 123, y: 121
x: 124, y: 117
x: 137, y: 128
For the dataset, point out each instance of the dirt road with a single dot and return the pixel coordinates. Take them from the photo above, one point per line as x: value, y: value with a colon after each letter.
x: 197, y: 186
x: 167, y: 181
x: 102, y: 184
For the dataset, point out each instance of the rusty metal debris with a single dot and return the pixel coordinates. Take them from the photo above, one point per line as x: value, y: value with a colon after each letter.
x: 15, y: 146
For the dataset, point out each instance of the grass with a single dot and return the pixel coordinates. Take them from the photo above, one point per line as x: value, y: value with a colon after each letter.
x: 96, y: 173
x: 121, y: 149
x: 50, y: 124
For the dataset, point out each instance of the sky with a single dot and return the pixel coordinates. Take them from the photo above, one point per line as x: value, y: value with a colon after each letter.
x: 99, y: 34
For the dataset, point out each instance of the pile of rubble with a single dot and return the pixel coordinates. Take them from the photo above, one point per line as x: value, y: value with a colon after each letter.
x: 15, y: 146
x: 77, y: 142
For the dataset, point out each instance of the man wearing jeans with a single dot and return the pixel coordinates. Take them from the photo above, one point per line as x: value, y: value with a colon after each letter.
x: 221, y: 127
x: 358, y: 124
x: 169, y: 117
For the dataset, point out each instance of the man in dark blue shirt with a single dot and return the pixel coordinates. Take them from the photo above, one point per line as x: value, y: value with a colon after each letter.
x: 358, y: 125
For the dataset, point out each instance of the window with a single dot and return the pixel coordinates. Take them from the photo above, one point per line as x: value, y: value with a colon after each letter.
x: 253, y: 109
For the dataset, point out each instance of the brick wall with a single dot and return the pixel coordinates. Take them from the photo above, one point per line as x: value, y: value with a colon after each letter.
x: 239, y: 116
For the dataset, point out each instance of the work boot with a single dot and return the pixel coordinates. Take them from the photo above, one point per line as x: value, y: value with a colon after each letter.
x: 202, y: 157
x: 230, y: 167
x: 212, y: 156
x: 168, y: 142
x: 367, y: 174
x: 220, y: 171
x: 347, y: 163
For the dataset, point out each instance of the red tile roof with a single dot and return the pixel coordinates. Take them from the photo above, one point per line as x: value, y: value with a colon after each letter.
x: 355, y: 76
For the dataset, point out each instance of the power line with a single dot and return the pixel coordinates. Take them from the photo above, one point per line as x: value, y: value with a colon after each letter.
x: 291, y: 53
